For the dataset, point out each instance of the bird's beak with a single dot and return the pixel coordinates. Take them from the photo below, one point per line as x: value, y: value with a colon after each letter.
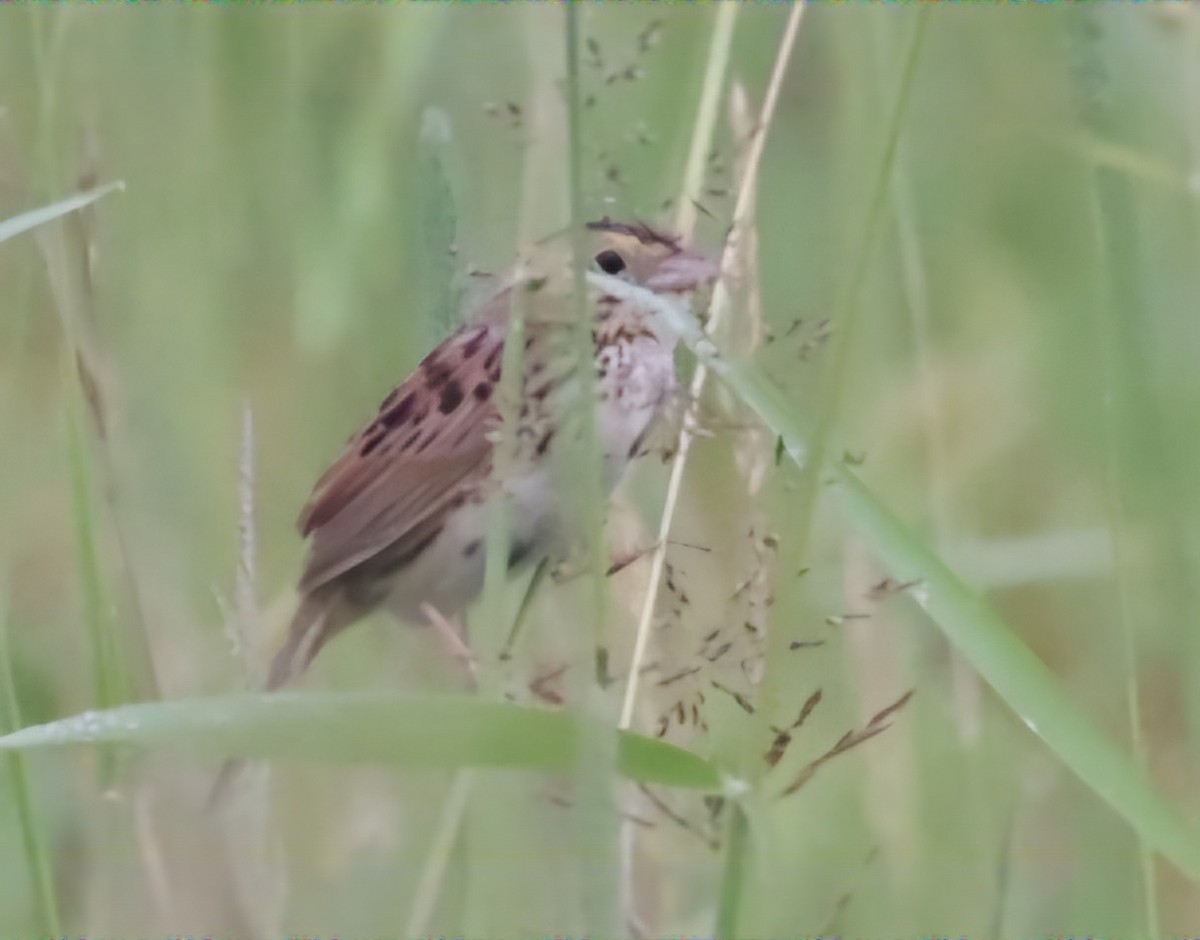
x: 682, y: 273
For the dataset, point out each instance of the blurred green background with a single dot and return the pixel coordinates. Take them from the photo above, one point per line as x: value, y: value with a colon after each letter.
x: 1021, y: 386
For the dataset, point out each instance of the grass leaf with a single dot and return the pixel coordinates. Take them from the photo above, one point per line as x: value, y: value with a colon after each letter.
x: 19, y: 224
x: 425, y: 732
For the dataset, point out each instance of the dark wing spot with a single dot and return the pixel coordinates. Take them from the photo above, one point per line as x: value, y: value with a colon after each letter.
x: 452, y: 396
x: 472, y: 346
x: 437, y: 373
x: 544, y: 443
x: 482, y: 391
x: 540, y: 393
x: 371, y: 440
x: 636, y: 446
x: 399, y: 412
x: 493, y: 357
x: 471, y: 548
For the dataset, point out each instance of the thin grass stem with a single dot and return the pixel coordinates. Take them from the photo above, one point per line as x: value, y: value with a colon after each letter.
x: 734, y: 875
x: 718, y: 311
x: 437, y: 857
x: 845, y: 320
x: 594, y: 813
x: 703, y: 128
x: 37, y: 856
x: 1128, y: 418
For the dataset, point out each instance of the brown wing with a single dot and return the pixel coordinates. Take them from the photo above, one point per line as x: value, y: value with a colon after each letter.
x: 429, y: 439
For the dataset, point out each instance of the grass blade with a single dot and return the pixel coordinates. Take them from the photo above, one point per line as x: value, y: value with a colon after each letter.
x: 19, y: 224
x: 1020, y: 678
x: 426, y: 732
x: 988, y: 643
x: 36, y: 855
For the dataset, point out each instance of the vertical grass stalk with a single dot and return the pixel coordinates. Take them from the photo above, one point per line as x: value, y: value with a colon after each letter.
x: 845, y: 329
x: 246, y: 624
x: 471, y: 799
x: 714, y: 81
x: 37, y: 857
x: 594, y: 811
x: 1125, y: 411
x: 108, y: 675
x: 1107, y: 189
x: 734, y: 875
x: 63, y: 245
x: 703, y: 129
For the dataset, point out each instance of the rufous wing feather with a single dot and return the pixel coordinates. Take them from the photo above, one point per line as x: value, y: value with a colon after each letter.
x: 428, y: 444
x: 399, y: 502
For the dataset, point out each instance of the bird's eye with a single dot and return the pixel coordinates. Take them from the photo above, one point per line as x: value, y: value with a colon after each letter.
x: 610, y: 262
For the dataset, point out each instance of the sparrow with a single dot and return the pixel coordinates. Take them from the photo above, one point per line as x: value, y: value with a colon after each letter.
x: 399, y: 520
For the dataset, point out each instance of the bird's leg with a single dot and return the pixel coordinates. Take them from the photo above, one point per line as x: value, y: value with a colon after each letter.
x: 541, y: 686
x: 454, y: 643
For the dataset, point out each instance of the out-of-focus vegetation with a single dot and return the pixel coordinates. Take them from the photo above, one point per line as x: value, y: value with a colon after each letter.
x: 310, y: 195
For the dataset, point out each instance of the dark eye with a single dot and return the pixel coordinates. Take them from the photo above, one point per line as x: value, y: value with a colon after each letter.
x: 610, y: 262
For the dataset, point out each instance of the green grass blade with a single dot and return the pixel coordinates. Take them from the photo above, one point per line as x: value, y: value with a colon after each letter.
x: 594, y: 814
x: 735, y: 875
x: 19, y: 224
x: 1020, y: 678
x: 108, y: 673
x: 415, y: 732
x: 437, y: 223
x: 1138, y: 477
x: 847, y: 319
x: 999, y: 655
x: 990, y: 645
x: 37, y: 856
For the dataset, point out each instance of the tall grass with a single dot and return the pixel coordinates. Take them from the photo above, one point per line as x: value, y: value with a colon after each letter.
x: 996, y: 219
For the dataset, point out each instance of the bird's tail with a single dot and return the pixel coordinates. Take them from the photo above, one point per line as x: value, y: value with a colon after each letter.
x: 319, y: 616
